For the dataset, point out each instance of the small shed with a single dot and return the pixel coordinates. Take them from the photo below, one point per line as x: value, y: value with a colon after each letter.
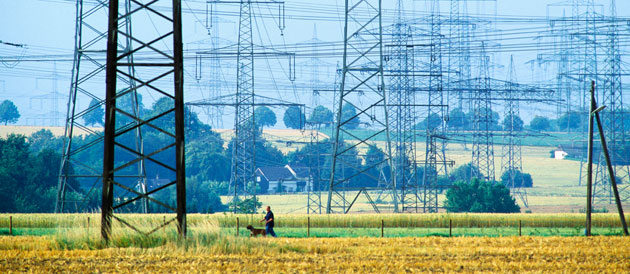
x: 559, y: 154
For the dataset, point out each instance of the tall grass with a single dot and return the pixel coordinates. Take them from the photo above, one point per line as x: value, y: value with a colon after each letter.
x: 203, y: 235
x: 199, y: 222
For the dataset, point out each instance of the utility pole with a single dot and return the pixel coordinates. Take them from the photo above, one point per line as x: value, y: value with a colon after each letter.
x: 593, y: 116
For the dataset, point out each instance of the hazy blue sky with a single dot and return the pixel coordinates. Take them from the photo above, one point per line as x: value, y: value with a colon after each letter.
x: 48, y: 28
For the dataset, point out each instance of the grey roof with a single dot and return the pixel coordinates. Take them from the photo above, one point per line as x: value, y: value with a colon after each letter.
x: 301, y: 171
x: 273, y: 173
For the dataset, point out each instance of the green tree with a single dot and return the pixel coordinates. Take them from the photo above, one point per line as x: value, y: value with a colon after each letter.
x: 572, y: 121
x: 201, y: 197
x: 432, y: 122
x: 294, y: 118
x: 42, y: 182
x: 44, y: 139
x: 249, y: 205
x: 206, y: 160
x: 322, y: 116
x: 480, y: 196
x: 514, y: 122
x: 540, y: 123
x: 14, y: 167
x: 264, y: 117
x: 493, y: 124
x: 463, y: 172
x: 8, y: 112
x: 347, y: 112
x: 458, y: 120
x: 195, y: 129
x: 374, y: 158
x: 520, y: 179
x: 96, y: 115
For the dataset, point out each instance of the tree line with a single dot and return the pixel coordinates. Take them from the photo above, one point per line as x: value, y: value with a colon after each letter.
x: 29, y: 165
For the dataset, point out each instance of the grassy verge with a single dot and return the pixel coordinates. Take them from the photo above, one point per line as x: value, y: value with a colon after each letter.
x: 440, y: 220
x: 397, y: 232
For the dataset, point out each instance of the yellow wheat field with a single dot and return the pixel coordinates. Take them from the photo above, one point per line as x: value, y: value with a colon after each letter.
x: 348, y: 255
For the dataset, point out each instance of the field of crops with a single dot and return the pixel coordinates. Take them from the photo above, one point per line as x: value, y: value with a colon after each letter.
x: 440, y: 220
x: 337, y: 243
x: 354, y: 225
x: 338, y: 255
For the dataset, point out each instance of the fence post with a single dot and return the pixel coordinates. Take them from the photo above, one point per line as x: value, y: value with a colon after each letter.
x: 450, y: 227
x: 519, y: 228
x: 163, y: 223
x: 237, y: 226
x: 308, y: 226
x: 382, y: 228
x: 11, y: 225
x: 88, y: 230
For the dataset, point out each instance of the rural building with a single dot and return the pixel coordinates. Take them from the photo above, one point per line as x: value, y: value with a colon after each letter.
x: 283, y: 179
x: 559, y: 154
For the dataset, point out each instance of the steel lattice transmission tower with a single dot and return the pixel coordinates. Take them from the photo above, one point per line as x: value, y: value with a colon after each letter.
x: 435, y: 159
x: 161, y: 74
x: 362, y: 74
x: 401, y: 110
x: 242, y: 181
x: 243, y: 155
x: 458, y: 49
x: 482, y: 144
x: 613, y: 117
x: 511, y: 161
x: 86, y: 87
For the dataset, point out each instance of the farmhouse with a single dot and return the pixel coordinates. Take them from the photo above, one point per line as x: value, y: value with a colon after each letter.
x: 283, y: 179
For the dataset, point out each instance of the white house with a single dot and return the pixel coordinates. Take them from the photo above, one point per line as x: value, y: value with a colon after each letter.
x: 283, y: 179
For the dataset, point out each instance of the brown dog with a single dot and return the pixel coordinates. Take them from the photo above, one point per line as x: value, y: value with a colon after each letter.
x: 256, y: 231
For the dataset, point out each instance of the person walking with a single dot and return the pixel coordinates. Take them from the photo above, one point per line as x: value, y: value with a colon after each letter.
x: 269, y: 222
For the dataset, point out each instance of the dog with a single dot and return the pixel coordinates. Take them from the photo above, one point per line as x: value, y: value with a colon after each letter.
x: 256, y: 231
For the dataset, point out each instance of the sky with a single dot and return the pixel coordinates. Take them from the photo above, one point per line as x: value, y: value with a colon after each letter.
x: 39, y: 84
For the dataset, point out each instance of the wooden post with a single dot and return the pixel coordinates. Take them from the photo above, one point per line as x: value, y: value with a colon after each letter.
x: 382, y: 228
x: 88, y: 230
x: 308, y: 226
x: 450, y: 227
x: 163, y: 223
x: 589, y: 162
x: 237, y: 226
x: 520, y: 225
x: 11, y: 225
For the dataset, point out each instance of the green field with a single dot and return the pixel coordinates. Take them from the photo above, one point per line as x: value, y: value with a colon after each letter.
x: 352, y: 225
x: 556, y: 184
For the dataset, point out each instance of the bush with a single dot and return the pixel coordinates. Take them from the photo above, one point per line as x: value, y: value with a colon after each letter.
x: 480, y: 196
x: 464, y: 172
x: 249, y: 205
x: 540, y: 123
x: 520, y: 179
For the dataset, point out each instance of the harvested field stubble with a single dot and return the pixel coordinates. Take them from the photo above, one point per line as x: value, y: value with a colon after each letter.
x: 354, y: 255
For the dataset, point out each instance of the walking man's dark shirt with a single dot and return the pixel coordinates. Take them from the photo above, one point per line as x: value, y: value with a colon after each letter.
x: 269, y: 219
